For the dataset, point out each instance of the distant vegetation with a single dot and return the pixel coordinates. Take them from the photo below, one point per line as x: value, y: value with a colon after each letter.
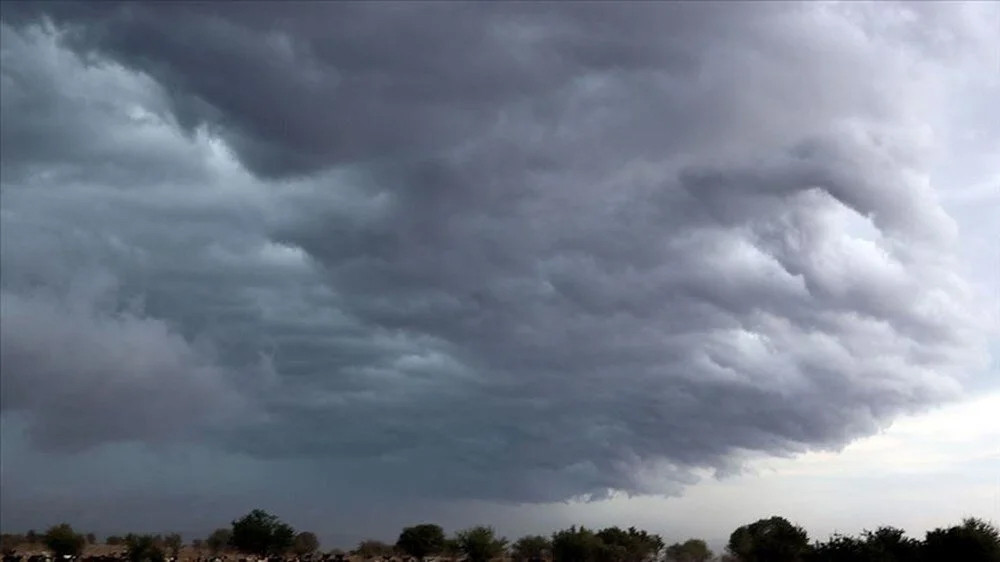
x: 774, y: 539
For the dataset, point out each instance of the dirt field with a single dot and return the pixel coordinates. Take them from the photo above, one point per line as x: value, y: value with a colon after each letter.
x: 187, y: 553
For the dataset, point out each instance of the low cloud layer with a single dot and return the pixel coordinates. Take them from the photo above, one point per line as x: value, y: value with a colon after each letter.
x: 512, y: 252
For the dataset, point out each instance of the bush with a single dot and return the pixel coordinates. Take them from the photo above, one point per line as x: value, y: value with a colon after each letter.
x: 369, y: 549
x: 218, y: 540
x: 305, y: 543
x: 691, y: 550
x: 143, y: 548
x: 421, y: 541
x: 62, y: 540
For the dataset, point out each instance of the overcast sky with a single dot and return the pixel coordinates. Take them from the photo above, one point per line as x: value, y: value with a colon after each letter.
x: 364, y: 265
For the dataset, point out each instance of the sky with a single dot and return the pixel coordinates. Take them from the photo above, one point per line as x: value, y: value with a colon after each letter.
x: 364, y: 265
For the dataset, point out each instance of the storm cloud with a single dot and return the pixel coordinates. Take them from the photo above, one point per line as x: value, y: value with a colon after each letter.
x: 523, y: 252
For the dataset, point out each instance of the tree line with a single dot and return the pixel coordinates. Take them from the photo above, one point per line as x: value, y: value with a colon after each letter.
x: 773, y: 539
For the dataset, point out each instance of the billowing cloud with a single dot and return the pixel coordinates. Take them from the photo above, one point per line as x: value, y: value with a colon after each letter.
x: 517, y: 252
x: 85, y: 375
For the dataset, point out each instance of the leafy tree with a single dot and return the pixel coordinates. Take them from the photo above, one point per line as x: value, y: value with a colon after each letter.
x: 531, y: 547
x: 889, y: 544
x: 769, y: 540
x: 576, y: 545
x: 974, y: 540
x: 614, y: 545
x: 62, y: 540
x: 628, y: 545
x: 143, y: 548
x: 480, y: 544
x: 691, y: 550
x: 114, y: 540
x: 369, y: 549
x: 838, y: 548
x: 218, y: 540
x: 261, y: 533
x: 885, y: 544
x: 305, y: 543
x: 173, y: 544
x: 421, y: 541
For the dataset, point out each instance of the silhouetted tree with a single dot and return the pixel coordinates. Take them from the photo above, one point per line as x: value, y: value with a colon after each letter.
x: 143, y: 548
x: 974, y: 540
x: 889, y: 544
x: 31, y: 537
x: 62, y: 540
x: 885, y: 544
x: 114, y: 540
x: 769, y: 540
x: 531, y: 547
x: 691, y: 550
x: 421, y: 541
x: 305, y: 543
x: 480, y: 544
x: 838, y: 548
x: 91, y: 538
x: 218, y: 540
x: 576, y: 545
x: 261, y: 533
x: 614, y: 545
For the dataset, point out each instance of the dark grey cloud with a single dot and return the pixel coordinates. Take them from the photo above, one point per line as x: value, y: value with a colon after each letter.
x: 515, y: 252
